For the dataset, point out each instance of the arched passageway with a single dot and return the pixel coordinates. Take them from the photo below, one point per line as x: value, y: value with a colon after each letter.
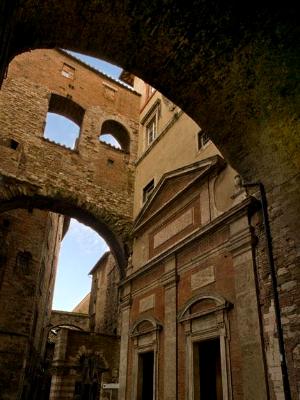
x: 232, y: 67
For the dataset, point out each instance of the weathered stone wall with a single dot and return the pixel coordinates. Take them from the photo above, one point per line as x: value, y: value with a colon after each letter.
x: 104, y: 300
x: 95, y: 181
x: 30, y: 243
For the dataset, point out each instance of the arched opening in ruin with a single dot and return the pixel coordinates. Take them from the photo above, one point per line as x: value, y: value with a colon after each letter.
x: 63, y: 121
x: 114, y: 133
x: 109, y: 139
x: 66, y: 107
x: 61, y: 130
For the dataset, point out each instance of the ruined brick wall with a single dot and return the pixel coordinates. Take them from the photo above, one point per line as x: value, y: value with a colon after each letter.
x: 30, y: 242
x: 95, y: 181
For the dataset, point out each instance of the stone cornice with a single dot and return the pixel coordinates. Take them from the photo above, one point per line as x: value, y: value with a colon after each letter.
x: 204, y: 166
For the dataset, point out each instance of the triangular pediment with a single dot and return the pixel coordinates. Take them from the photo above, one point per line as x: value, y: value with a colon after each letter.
x: 172, y: 184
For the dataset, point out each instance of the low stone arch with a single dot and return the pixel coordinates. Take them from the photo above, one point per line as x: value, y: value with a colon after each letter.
x: 115, y: 229
x: 66, y: 326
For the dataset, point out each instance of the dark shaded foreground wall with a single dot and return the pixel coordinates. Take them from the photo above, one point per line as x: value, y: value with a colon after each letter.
x: 29, y: 242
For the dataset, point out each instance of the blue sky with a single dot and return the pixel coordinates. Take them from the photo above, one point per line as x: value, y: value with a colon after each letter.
x: 80, y: 250
x: 82, y: 247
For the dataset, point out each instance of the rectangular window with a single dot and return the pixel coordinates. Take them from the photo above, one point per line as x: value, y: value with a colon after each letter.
x: 145, y: 376
x: 207, y: 370
x: 148, y: 190
x: 68, y: 71
x: 151, y: 130
x: 203, y: 139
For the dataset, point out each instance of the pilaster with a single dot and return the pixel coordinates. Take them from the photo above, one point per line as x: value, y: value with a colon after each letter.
x: 169, y: 281
x: 125, y: 322
x: 253, y: 368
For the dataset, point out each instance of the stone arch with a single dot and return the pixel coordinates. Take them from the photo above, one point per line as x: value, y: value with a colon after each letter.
x: 76, y: 327
x: 118, y: 130
x: 115, y: 230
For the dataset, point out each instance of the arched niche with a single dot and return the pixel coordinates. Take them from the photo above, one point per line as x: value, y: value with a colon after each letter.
x: 118, y: 132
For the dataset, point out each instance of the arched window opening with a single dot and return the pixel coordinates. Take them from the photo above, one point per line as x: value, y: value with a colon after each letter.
x: 114, y: 130
x: 64, y: 120
x: 109, y: 139
x: 66, y: 107
x: 61, y: 130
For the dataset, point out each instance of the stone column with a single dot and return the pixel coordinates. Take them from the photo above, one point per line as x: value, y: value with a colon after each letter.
x: 125, y: 325
x: 169, y: 280
x: 252, y: 359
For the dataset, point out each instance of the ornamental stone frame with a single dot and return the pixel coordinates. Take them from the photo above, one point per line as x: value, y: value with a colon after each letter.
x: 145, y: 335
x: 207, y: 324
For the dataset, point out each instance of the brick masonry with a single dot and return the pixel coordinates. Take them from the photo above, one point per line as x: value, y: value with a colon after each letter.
x: 95, y: 181
x: 29, y: 244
